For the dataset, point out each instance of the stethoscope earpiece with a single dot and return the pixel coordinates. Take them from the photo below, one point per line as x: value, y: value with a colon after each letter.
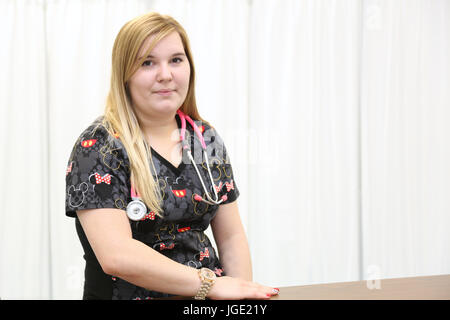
x: 199, y: 198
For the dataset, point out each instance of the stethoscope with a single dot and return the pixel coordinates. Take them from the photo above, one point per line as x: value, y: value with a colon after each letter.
x: 136, y: 209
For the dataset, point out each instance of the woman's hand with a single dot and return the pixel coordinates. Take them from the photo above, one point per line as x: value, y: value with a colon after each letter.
x: 228, y: 288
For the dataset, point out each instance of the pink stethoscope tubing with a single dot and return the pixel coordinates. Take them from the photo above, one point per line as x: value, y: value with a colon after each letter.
x: 185, y: 145
x: 136, y: 209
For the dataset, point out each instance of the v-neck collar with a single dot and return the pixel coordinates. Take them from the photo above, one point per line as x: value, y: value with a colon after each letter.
x: 176, y: 170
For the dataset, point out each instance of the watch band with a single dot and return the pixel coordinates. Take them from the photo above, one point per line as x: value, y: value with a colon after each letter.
x: 207, y: 283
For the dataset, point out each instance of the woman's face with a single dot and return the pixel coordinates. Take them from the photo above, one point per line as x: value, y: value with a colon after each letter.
x: 160, y: 85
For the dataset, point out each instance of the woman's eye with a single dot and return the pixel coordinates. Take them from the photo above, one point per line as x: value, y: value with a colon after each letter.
x: 148, y: 63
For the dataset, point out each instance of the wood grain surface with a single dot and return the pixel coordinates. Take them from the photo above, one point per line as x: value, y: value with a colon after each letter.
x: 413, y: 288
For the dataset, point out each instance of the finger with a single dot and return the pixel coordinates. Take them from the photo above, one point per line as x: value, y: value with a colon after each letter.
x: 259, y: 291
x: 254, y: 291
x: 261, y: 295
x: 267, y: 292
x: 272, y: 291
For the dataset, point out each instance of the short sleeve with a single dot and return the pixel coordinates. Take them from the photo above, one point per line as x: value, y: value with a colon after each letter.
x: 98, y: 171
x: 221, y: 167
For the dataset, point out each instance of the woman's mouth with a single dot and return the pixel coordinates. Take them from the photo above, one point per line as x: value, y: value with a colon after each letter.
x: 164, y: 92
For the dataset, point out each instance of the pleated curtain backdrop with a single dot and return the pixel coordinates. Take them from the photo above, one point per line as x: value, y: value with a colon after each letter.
x: 405, y: 110
x: 334, y: 114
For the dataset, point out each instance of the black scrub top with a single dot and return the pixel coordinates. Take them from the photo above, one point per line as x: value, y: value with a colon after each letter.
x: 98, y: 176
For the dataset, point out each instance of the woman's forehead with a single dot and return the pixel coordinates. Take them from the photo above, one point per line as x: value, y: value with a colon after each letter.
x: 168, y: 46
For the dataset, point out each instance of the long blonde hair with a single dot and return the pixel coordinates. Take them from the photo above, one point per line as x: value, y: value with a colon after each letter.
x: 119, y: 117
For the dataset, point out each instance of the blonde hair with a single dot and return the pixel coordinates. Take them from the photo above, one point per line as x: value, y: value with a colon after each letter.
x: 119, y: 117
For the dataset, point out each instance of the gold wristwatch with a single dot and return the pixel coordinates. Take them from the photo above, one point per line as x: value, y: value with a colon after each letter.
x: 208, y: 278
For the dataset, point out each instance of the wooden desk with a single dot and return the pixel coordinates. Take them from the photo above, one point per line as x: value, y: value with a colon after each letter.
x: 415, y: 288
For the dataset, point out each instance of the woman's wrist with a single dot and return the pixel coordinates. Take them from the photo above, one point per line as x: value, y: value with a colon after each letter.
x: 208, y: 279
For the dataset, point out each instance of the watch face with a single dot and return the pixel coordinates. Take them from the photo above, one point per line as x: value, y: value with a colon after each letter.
x: 208, y: 274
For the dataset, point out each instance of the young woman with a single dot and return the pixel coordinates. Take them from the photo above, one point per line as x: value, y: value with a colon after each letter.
x: 147, y: 178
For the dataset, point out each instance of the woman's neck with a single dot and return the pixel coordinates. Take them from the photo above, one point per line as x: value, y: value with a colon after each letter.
x: 160, y: 128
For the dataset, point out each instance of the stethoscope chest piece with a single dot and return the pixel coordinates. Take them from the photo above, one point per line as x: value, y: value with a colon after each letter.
x: 136, y: 210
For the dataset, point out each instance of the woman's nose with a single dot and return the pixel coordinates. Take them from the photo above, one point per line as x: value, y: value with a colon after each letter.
x: 164, y: 73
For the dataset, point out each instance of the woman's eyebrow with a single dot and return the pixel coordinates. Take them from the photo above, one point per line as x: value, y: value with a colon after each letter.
x: 173, y: 55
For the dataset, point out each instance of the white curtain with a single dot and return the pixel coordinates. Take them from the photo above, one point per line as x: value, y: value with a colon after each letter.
x: 405, y: 110
x: 333, y: 111
x: 303, y: 182
x: 26, y: 184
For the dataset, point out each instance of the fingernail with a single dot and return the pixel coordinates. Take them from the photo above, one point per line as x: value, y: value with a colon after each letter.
x: 268, y: 295
x: 275, y: 290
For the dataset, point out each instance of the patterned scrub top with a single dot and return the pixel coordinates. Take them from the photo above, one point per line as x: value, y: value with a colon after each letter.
x: 98, y: 176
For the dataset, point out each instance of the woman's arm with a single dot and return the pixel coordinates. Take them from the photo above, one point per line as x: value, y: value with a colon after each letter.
x: 109, y: 234
x: 231, y: 241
